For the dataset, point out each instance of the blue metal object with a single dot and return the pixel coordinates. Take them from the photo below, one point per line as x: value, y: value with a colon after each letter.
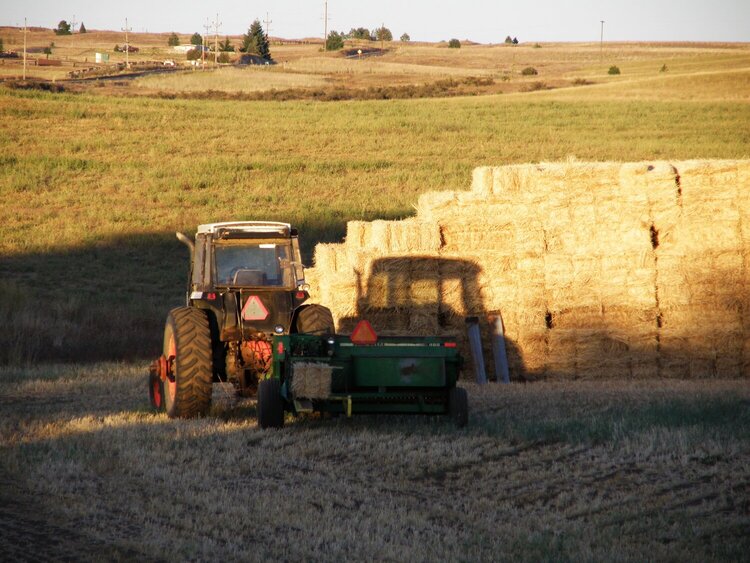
x: 498, y: 351
x: 475, y: 342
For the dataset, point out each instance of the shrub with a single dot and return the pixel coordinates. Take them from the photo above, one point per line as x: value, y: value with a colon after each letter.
x: 454, y: 44
x: 663, y: 68
x: 534, y: 86
x: 405, y: 38
x: 173, y: 40
x: 614, y: 70
x: 224, y: 57
x: 335, y: 41
x: 537, y: 46
x: 529, y: 71
x: 193, y: 54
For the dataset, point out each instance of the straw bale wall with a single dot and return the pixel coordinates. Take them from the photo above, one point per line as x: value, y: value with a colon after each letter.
x: 597, y: 269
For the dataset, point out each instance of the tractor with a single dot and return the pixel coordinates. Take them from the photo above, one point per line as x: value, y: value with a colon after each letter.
x: 246, y: 284
x: 247, y: 321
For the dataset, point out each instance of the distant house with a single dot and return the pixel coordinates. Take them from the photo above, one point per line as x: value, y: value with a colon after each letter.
x: 186, y: 48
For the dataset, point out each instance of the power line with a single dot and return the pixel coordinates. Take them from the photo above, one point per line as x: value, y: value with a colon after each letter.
x: 268, y: 23
x: 217, y: 25
x: 206, y: 29
x: 25, y: 31
x: 126, y: 29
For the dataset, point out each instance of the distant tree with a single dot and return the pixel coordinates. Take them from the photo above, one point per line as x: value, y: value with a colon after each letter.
x: 255, y: 41
x: 515, y: 41
x: 454, y: 44
x: 335, y: 41
x: 63, y: 28
x: 508, y: 40
x: 47, y: 51
x: 383, y: 34
x: 529, y: 71
x: 173, y: 40
x: 117, y: 49
x: 226, y: 46
x: 82, y: 29
x: 361, y: 33
x: 2, y: 48
x: 196, y: 39
x: 614, y: 70
x: 405, y: 38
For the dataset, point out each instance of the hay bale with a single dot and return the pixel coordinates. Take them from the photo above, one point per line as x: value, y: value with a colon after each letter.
x: 331, y: 258
x: 311, y: 380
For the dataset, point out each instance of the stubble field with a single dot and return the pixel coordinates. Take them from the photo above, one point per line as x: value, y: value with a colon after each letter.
x: 93, y: 184
x: 626, y: 471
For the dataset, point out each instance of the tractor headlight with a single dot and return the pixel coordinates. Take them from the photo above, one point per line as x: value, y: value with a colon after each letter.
x: 278, y: 329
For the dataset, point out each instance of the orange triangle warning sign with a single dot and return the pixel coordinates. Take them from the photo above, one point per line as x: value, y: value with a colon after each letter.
x: 254, y: 310
x: 364, y: 333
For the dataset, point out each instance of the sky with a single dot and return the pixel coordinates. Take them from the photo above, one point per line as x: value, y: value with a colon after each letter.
x: 482, y: 21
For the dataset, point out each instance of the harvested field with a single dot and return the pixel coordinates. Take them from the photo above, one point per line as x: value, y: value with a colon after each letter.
x: 623, y: 470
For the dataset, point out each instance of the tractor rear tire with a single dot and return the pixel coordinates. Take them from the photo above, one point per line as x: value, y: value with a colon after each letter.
x: 315, y: 319
x: 458, y: 406
x: 270, y: 404
x: 187, y: 337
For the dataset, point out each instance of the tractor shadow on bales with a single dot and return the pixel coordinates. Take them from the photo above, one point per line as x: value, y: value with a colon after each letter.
x: 427, y: 296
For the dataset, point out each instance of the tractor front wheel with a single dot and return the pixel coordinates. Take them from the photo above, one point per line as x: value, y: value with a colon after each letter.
x: 458, y: 406
x: 315, y: 319
x: 187, y: 348
x: 270, y: 404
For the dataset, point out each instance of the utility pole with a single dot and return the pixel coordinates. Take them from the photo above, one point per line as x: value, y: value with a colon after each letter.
x: 268, y: 23
x: 206, y: 29
x: 73, y: 23
x: 25, y: 31
x: 382, y: 36
x: 217, y: 25
x: 601, y: 43
x: 126, y: 29
x: 325, y: 26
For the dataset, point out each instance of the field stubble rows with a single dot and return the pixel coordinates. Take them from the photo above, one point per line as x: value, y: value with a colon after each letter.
x: 585, y: 471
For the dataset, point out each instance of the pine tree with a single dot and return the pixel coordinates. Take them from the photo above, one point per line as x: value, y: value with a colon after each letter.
x: 173, y: 40
x: 255, y: 41
x: 226, y: 46
x: 82, y: 29
x: 196, y: 39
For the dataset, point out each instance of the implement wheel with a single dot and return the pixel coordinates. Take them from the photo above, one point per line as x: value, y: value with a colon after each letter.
x: 458, y: 406
x: 187, y: 348
x: 270, y: 404
x: 315, y: 319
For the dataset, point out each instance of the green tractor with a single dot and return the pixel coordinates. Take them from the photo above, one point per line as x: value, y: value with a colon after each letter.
x: 246, y: 285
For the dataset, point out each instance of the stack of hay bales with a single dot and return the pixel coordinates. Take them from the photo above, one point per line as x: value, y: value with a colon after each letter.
x: 702, y: 279
x: 598, y: 269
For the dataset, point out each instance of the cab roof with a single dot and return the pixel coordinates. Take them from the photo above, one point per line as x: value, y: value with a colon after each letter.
x: 249, y: 227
